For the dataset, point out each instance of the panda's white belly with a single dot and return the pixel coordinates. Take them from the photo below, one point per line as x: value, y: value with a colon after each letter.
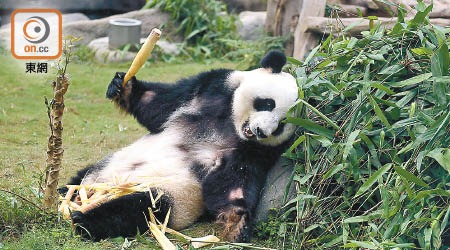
x: 158, y: 159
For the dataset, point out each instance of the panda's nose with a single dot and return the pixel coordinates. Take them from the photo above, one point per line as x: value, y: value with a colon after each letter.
x: 260, y: 133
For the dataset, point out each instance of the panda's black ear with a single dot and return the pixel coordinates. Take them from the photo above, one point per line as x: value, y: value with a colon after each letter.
x: 274, y: 60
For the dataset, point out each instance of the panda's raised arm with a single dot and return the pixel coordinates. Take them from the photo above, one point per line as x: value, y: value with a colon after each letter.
x: 151, y: 103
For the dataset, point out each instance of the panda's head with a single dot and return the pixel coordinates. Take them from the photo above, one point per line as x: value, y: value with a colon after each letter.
x: 261, y: 100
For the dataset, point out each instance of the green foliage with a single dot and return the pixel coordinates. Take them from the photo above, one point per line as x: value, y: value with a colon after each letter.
x: 248, y: 53
x: 67, y: 53
x: 83, y: 54
x: 269, y: 228
x: 203, y: 24
x: 374, y: 139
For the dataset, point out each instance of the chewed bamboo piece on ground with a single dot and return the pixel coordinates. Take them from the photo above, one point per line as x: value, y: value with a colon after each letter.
x: 91, y: 196
x: 158, y: 230
x: 142, y: 55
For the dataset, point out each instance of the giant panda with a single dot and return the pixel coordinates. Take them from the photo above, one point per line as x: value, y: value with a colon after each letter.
x: 213, y: 137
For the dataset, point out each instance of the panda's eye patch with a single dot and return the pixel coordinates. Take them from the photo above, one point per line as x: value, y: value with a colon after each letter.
x: 263, y: 104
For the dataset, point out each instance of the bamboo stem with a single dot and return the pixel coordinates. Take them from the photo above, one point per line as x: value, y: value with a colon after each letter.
x: 142, y: 55
x: 55, y: 149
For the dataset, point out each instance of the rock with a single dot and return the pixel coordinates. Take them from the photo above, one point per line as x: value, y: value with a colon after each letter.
x: 273, y: 192
x: 94, y: 29
x: 73, y: 17
x: 105, y: 55
x: 167, y: 47
x: 5, y: 38
x: 251, y: 26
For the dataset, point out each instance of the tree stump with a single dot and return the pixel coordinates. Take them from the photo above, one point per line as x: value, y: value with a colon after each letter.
x: 55, y: 149
x: 303, y: 40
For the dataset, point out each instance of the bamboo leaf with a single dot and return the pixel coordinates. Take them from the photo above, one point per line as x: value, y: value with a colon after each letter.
x: 372, y: 149
x: 331, y: 87
x: 419, y: 18
x: 352, y: 25
x: 363, y: 218
x: 323, y: 140
x: 349, y: 144
x: 311, y: 54
x: 335, y: 169
x: 296, y: 143
x: 356, y: 244
x: 383, y: 88
x: 445, y: 220
x: 379, y: 112
x: 442, y: 125
x: 409, y: 176
x: 427, y: 193
x: 294, y: 61
x: 373, y: 178
x: 411, y: 81
x: 311, y: 126
x: 440, y: 61
x: 310, y: 228
x: 439, y: 91
x: 442, y: 156
x: 423, y: 52
x: 330, y: 122
x: 427, y: 233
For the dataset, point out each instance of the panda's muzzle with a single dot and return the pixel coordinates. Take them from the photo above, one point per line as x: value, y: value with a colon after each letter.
x: 259, y: 133
x: 247, y: 131
x: 249, y: 134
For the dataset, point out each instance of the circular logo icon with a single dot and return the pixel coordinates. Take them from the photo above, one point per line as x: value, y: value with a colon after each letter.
x: 36, y: 29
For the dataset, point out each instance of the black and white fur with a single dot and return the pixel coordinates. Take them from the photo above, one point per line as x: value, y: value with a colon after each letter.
x: 213, y: 138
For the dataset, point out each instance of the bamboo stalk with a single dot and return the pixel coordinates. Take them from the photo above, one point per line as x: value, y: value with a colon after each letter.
x: 142, y: 55
x: 196, y: 242
x: 55, y: 149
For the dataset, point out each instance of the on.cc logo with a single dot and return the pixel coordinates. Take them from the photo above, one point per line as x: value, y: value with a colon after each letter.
x: 36, y: 29
x: 36, y: 34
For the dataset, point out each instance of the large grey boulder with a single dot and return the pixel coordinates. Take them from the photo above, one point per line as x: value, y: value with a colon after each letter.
x: 104, y: 54
x: 273, y: 192
x: 251, y: 24
x: 90, y: 30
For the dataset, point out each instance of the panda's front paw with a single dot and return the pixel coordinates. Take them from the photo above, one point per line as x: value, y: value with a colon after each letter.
x: 236, y: 222
x: 115, y: 86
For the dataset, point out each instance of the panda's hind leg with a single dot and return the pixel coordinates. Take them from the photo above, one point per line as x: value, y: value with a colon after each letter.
x: 123, y: 216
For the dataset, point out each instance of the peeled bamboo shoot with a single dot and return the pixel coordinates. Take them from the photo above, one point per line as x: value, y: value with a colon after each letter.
x: 142, y: 55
